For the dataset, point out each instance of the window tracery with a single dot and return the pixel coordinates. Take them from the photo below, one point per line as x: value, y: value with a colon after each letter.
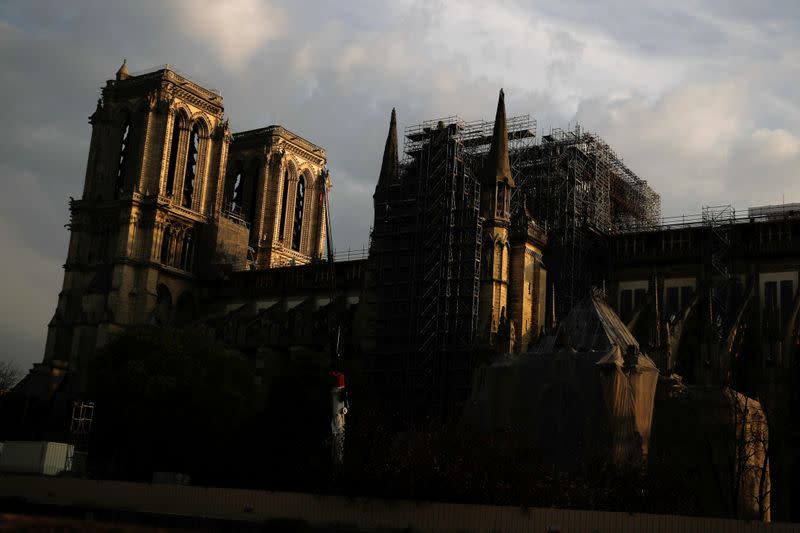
x: 284, y: 197
x: 299, y: 205
x: 122, y: 161
x: 191, y: 167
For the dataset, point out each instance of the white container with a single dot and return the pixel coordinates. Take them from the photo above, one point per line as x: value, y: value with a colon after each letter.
x: 35, y: 457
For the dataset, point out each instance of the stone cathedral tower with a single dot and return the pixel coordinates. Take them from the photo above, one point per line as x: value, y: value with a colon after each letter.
x: 163, y: 211
x: 513, y: 276
x: 496, y: 187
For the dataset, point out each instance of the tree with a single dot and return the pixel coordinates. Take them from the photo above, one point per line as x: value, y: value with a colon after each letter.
x: 10, y: 374
x: 168, y: 400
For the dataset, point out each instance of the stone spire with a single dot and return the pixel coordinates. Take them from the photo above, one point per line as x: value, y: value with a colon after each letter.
x: 390, y: 168
x: 122, y: 73
x: 497, y: 167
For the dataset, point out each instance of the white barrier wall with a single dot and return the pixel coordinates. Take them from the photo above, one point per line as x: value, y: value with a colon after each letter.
x: 35, y: 457
x: 361, y: 513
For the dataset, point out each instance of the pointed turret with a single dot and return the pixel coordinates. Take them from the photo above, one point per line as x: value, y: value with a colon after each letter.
x: 122, y: 73
x: 390, y: 168
x: 497, y: 168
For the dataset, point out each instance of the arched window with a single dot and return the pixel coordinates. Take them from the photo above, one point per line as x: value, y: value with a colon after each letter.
x: 123, y: 156
x: 283, y: 204
x: 187, y: 252
x: 299, y: 203
x: 173, y: 156
x: 191, y: 166
x: 166, y: 243
x: 237, y: 188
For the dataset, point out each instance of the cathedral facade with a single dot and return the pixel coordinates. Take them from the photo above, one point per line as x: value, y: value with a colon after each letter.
x: 172, y: 200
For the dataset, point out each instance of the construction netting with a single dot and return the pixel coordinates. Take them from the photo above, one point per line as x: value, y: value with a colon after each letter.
x: 590, y: 390
x: 629, y: 390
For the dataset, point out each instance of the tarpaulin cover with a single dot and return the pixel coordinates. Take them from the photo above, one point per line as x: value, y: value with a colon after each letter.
x: 593, y: 392
x: 629, y: 389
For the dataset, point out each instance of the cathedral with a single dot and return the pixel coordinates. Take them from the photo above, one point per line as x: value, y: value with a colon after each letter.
x: 172, y: 201
x: 178, y: 213
x: 484, y: 241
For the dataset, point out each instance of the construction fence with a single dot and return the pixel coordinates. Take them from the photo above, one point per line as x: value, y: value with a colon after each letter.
x: 347, y: 513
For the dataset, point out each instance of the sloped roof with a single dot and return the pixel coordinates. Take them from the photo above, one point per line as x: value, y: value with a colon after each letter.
x: 593, y: 325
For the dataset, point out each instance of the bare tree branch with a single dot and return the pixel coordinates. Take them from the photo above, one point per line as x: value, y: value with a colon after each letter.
x: 10, y: 374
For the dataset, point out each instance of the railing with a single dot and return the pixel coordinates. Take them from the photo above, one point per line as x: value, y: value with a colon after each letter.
x: 358, y: 254
x: 234, y: 213
x: 704, y: 219
x: 167, y: 66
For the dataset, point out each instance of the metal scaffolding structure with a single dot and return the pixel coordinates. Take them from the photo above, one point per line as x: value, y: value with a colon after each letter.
x: 425, y: 252
x: 425, y: 256
x: 575, y: 178
x: 719, y: 222
x: 581, y: 191
x: 80, y: 429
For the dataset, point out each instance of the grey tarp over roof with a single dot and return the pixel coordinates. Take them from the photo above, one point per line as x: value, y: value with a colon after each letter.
x: 593, y: 325
x: 588, y: 393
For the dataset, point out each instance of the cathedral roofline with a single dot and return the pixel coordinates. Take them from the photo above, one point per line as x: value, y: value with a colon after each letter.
x: 269, y: 133
x: 155, y: 79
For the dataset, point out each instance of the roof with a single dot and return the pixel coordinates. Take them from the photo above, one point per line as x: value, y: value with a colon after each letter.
x: 593, y: 325
x: 263, y: 135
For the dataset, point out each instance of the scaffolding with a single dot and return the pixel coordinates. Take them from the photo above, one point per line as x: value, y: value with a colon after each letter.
x: 719, y: 222
x: 581, y: 191
x: 425, y: 263
x: 425, y: 251
x: 80, y: 429
x: 575, y: 178
x: 446, y: 258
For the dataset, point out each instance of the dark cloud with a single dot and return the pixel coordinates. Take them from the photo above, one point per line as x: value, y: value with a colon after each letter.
x: 696, y: 98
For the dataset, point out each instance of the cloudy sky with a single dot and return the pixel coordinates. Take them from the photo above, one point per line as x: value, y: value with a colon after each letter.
x: 699, y: 97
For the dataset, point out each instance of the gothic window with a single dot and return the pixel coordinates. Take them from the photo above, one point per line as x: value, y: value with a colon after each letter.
x: 165, y: 246
x: 124, y: 151
x: 173, y: 156
x: 283, y: 204
x: 187, y: 253
x: 191, y: 166
x: 298, y: 214
x: 237, y: 188
x: 787, y: 299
